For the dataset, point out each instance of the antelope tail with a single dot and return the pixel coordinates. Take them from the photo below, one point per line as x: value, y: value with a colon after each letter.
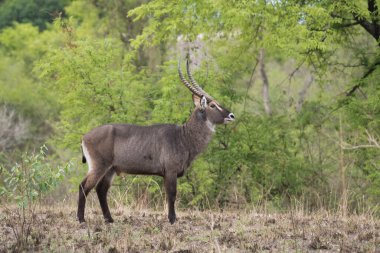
x: 83, y: 157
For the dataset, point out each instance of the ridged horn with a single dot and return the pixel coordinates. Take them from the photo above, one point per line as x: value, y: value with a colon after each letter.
x: 187, y: 84
x: 195, y: 84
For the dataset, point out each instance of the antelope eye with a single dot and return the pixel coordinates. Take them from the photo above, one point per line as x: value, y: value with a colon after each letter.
x: 212, y: 106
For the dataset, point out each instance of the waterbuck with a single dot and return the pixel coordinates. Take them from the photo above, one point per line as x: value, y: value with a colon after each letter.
x: 165, y: 150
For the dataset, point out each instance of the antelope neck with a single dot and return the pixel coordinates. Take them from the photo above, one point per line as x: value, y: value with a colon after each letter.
x: 197, y: 131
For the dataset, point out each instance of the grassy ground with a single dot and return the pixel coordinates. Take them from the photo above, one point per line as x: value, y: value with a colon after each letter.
x: 54, y: 229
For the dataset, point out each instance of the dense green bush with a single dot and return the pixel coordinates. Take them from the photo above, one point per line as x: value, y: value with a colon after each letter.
x: 102, y: 65
x: 37, y: 12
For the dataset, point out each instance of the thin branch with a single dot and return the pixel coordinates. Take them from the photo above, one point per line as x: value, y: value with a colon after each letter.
x: 290, y: 76
x: 302, y: 93
x: 359, y: 147
x: 351, y: 91
x: 372, y: 139
x: 372, y: 143
x: 347, y: 24
x: 250, y: 84
x: 347, y: 65
x: 366, y: 25
x: 372, y: 8
x: 373, y: 27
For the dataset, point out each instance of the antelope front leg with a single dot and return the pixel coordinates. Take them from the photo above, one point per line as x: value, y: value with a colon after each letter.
x: 171, y: 192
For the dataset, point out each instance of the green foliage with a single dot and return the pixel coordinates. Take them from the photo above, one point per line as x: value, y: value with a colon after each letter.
x: 30, y: 179
x: 100, y: 66
x: 96, y: 84
x: 25, y: 183
x: 20, y: 47
x: 37, y: 12
x: 364, y: 116
x: 288, y: 156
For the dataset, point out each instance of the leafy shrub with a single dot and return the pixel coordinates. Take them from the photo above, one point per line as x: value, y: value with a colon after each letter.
x: 29, y: 180
x: 24, y: 184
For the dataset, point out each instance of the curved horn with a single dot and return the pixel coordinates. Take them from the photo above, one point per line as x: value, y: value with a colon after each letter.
x: 194, y: 83
x: 186, y: 83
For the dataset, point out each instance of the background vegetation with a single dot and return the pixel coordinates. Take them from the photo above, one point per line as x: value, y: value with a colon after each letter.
x: 301, y: 76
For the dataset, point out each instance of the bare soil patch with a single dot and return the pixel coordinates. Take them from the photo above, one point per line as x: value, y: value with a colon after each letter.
x: 55, y: 229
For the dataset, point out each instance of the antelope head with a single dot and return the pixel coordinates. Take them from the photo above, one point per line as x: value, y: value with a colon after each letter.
x: 211, y: 110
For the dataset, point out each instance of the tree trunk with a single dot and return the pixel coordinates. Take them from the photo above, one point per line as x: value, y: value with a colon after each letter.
x: 342, y: 168
x: 264, y: 77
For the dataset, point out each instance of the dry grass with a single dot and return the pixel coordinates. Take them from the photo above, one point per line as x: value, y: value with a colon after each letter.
x: 55, y: 229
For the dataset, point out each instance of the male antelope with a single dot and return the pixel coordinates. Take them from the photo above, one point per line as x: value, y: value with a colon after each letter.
x: 165, y: 150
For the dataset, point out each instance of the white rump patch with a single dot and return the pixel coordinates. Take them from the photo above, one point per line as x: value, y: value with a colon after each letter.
x: 210, y: 126
x: 113, y: 176
x: 88, y: 158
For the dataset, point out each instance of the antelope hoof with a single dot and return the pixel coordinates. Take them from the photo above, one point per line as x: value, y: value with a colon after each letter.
x: 81, y: 220
x: 108, y: 220
x: 172, y: 218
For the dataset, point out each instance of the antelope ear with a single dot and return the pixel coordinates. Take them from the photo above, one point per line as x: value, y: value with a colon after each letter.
x: 199, y: 102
